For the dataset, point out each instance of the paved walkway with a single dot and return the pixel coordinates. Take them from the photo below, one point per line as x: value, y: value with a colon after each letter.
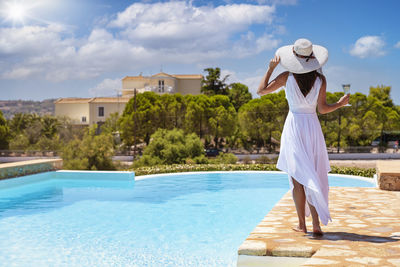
x: 365, y: 230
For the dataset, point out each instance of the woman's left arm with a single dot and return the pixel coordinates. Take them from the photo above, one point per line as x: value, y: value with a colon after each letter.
x: 267, y: 87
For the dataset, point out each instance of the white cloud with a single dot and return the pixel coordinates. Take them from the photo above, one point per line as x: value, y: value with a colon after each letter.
x: 397, y: 45
x: 180, y: 25
x: 368, y: 46
x: 108, y: 87
x: 141, y: 36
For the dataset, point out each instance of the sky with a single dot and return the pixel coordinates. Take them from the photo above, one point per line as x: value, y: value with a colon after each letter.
x: 75, y: 48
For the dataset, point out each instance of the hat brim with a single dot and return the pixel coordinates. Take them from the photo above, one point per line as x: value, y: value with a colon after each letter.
x: 295, y: 64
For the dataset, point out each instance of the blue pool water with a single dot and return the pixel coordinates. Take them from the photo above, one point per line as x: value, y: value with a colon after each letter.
x: 178, y: 220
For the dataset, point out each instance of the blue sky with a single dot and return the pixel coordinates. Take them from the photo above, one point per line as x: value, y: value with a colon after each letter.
x: 75, y: 48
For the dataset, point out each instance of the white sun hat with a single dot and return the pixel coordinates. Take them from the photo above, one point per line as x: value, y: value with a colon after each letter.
x: 302, y: 57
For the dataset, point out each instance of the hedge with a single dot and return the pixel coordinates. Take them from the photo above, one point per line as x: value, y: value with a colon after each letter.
x: 239, y: 167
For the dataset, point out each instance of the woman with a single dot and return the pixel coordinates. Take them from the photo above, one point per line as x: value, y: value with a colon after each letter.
x: 303, y: 154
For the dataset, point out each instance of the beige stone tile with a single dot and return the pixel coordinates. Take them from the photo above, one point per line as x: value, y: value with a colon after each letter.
x: 334, y: 252
x: 395, y: 262
x: 365, y: 260
x: 293, y: 251
x: 253, y: 248
x: 318, y: 261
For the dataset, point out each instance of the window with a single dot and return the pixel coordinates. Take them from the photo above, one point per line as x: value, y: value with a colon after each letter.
x: 101, y: 111
x: 161, y: 86
x: 84, y: 119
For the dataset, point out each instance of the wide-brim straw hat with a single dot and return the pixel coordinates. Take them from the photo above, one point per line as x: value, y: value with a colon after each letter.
x: 302, y: 56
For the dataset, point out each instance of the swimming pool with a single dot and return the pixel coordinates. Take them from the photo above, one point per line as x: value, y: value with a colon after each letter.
x: 195, y: 219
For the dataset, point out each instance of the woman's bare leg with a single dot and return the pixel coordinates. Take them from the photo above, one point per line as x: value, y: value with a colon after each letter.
x: 315, y: 220
x: 299, y: 198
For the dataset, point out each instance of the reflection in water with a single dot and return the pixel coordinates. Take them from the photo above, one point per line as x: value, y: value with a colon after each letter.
x: 31, y: 201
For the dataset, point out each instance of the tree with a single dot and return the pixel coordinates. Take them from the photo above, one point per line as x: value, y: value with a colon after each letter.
x: 50, y: 125
x: 172, y: 110
x: 261, y: 119
x: 239, y: 94
x: 4, y: 132
x: 146, y: 117
x: 67, y: 131
x: 93, y: 152
x: 197, y: 114
x: 19, y: 122
x: 213, y: 84
x: 223, y: 118
x: 382, y: 93
x: 388, y: 119
x: 111, y: 125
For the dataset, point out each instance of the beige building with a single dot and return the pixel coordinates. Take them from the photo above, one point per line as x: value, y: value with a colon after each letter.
x: 88, y: 111
x: 162, y: 83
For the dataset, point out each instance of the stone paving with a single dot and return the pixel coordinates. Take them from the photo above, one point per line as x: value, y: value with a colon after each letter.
x: 365, y: 230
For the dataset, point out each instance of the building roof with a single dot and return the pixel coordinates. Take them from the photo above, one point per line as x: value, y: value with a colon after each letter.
x: 134, y: 77
x: 162, y: 74
x: 110, y: 100
x: 75, y: 100
x: 178, y: 76
x: 188, y: 76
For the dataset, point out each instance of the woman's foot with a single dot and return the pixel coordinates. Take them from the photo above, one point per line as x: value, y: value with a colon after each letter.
x: 317, y: 231
x: 300, y: 229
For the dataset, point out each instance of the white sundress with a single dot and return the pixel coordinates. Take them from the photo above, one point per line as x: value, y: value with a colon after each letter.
x: 303, y: 154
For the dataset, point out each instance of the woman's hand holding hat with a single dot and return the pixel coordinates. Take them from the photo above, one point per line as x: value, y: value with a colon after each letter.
x: 274, y: 62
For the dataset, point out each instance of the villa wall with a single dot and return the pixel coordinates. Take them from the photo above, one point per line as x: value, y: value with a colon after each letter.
x: 15, y: 169
x: 109, y: 108
x: 189, y: 86
x: 75, y: 111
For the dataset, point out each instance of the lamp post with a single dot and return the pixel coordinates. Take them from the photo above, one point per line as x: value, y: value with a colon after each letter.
x: 346, y: 90
x: 134, y: 124
x: 340, y: 130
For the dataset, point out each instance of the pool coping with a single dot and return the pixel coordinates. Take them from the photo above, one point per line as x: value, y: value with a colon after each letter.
x: 143, y: 177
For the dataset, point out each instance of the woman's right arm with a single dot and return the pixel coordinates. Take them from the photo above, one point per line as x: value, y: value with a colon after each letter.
x: 324, y: 107
x: 267, y: 86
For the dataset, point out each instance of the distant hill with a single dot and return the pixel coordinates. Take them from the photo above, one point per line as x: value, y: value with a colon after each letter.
x: 10, y: 107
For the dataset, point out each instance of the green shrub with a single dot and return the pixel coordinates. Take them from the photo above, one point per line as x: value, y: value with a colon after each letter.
x: 48, y: 144
x: 93, y: 152
x: 171, y: 147
x: 354, y: 171
x: 19, y: 142
x: 238, y: 167
x: 201, y: 167
x: 202, y: 159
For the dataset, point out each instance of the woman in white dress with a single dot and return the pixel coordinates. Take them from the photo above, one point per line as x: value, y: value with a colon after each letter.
x: 303, y: 154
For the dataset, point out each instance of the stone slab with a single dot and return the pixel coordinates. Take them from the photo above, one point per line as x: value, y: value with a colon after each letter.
x: 388, y: 175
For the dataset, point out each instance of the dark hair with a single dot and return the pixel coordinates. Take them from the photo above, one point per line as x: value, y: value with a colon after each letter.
x: 305, y: 81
